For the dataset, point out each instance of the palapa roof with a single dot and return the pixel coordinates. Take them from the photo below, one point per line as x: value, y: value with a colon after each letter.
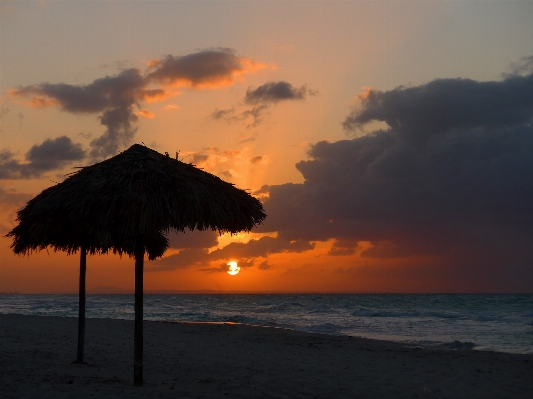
x: 138, y: 193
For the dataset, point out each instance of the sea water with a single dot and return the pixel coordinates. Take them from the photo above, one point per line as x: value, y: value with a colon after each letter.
x: 501, y: 322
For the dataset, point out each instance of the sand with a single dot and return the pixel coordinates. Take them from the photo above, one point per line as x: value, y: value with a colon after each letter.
x: 237, y: 361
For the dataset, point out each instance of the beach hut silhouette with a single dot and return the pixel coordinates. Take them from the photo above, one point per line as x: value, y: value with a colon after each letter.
x: 125, y: 204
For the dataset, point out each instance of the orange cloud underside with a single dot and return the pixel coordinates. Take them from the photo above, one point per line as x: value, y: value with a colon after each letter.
x: 366, y: 91
x: 236, y: 74
x: 155, y: 95
x: 171, y: 106
x: 145, y: 114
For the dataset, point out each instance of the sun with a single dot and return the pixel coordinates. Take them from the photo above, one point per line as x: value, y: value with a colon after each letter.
x: 233, y: 268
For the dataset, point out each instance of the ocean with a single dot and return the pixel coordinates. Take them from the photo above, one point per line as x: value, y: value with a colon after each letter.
x: 499, y: 322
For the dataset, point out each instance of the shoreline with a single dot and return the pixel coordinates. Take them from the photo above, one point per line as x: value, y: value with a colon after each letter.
x: 195, y: 360
x: 454, y: 345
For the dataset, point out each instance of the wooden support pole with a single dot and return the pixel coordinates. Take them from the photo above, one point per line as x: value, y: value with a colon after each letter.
x: 81, y: 306
x: 138, y: 339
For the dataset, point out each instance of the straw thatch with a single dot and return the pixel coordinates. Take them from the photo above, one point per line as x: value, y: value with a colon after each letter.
x: 138, y: 193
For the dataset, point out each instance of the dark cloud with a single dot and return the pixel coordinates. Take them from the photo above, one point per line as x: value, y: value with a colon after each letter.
x: 205, y: 68
x: 260, y: 248
x: 246, y: 254
x: 187, y: 257
x: 256, y: 113
x: 522, y: 67
x: 113, y: 96
x: 418, y: 113
x: 450, y: 181
x: 265, y: 189
x: 256, y: 159
x: 343, y: 247
x: 224, y: 114
x: 230, y: 115
x: 120, y: 132
x: 116, y: 97
x: 261, y: 99
x: 274, y: 92
x: 50, y: 155
x: 265, y: 265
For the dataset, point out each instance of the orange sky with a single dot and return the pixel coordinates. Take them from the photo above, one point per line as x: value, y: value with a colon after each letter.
x: 58, y: 273
x: 318, y: 108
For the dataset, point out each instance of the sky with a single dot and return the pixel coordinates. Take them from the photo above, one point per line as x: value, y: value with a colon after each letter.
x: 389, y: 141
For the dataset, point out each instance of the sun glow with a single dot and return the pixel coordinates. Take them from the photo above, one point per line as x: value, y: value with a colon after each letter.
x: 233, y: 268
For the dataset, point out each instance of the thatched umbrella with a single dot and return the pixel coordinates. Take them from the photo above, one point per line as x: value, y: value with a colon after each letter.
x: 124, y: 204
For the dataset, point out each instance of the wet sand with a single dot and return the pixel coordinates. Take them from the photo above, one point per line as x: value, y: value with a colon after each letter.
x: 237, y: 361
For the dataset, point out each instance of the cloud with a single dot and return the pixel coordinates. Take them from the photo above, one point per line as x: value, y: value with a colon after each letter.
x: 261, y: 248
x: 50, y: 155
x: 261, y: 99
x: 257, y: 159
x: 246, y: 254
x: 524, y: 66
x: 274, y: 92
x: 256, y: 113
x: 230, y: 115
x: 225, y: 114
x: 227, y: 164
x: 145, y: 114
x: 343, y: 247
x: 10, y: 201
x: 115, y: 98
x: 170, y: 107
x: 208, y: 68
x: 449, y: 182
x: 418, y: 113
x: 265, y: 265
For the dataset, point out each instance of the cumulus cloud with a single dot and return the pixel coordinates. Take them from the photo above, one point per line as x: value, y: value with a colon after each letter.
x: 50, y: 155
x: 261, y: 99
x: 449, y: 181
x: 418, y: 113
x: 274, y: 92
x: 116, y: 98
x: 206, y: 68
x: 112, y: 96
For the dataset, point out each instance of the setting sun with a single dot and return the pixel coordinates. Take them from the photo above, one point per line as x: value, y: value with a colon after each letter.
x: 233, y: 268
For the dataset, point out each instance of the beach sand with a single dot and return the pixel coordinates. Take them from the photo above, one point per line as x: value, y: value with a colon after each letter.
x: 237, y: 361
